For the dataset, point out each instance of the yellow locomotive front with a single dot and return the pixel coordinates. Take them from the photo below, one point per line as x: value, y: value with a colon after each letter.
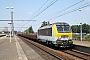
x: 63, y: 34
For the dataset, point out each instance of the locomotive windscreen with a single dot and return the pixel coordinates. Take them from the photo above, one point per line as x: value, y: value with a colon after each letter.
x: 63, y: 28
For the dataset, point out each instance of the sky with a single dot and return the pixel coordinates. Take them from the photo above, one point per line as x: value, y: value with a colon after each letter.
x: 27, y: 9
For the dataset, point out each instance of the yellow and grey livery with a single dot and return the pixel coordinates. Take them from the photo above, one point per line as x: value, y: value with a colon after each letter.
x: 59, y: 34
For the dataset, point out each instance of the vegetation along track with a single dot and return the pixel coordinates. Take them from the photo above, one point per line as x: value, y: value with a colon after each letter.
x: 60, y: 54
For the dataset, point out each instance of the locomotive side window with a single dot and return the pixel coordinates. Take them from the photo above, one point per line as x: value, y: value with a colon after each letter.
x: 49, y: 31
x: 42, y: 32
x: 45, y: 32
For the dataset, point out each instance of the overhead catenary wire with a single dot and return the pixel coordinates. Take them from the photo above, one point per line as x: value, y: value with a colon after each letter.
x: 65, y: 13
x: 18, y: 20
x: 36, y: 12
x: 39, y: 9
x: 64, y: 9
x: 50, y: 4
x: 14, y: 27
x: 68, y: 12
x: 45, y: 8
x: 42, y: 10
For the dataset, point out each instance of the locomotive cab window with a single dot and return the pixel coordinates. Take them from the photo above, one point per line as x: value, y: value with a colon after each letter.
x: 66, y: 28
x: 63, y: 28
x: 59, y: 28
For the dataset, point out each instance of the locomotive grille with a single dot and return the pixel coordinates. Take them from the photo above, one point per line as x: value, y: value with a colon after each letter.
x: 64, y: 36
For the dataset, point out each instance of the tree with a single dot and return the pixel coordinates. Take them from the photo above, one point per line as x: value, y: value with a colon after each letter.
x: 26, y: 31
x: 45, y: 23
x: 29, y: 30
x: 85, y: 28
x: 74, y: 28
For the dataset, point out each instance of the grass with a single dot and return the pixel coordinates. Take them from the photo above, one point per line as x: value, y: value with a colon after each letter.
x: 85, y: 38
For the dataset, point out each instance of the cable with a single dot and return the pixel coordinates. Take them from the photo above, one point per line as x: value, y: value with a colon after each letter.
x: 39, y: 9
x: 36, y: 12
x: 83, y: 6
x: 65, y: 9
x: 65, y: 13
x: 43, y: 10
x: 18, y: 20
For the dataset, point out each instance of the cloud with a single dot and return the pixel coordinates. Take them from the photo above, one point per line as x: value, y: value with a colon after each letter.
x: 28, y: 12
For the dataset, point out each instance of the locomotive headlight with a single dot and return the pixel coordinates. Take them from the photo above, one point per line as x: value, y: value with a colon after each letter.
x: 70, y: 38
x: 59, y: 38
x: 70, y: 41
x: 58, y: 41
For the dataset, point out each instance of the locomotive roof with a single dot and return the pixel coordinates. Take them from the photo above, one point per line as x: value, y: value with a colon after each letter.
x: 48, y: 26
x: 58, y: 23
x: 61, y: 23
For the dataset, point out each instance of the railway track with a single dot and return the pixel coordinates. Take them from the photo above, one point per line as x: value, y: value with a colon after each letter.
x: 60, y: 54
x: 78, y: 54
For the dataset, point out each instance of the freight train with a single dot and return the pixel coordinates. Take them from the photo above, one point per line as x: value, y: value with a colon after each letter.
x: 58, y: 34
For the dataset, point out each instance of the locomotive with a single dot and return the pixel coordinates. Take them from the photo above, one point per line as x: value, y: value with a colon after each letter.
x: 58, y: 34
